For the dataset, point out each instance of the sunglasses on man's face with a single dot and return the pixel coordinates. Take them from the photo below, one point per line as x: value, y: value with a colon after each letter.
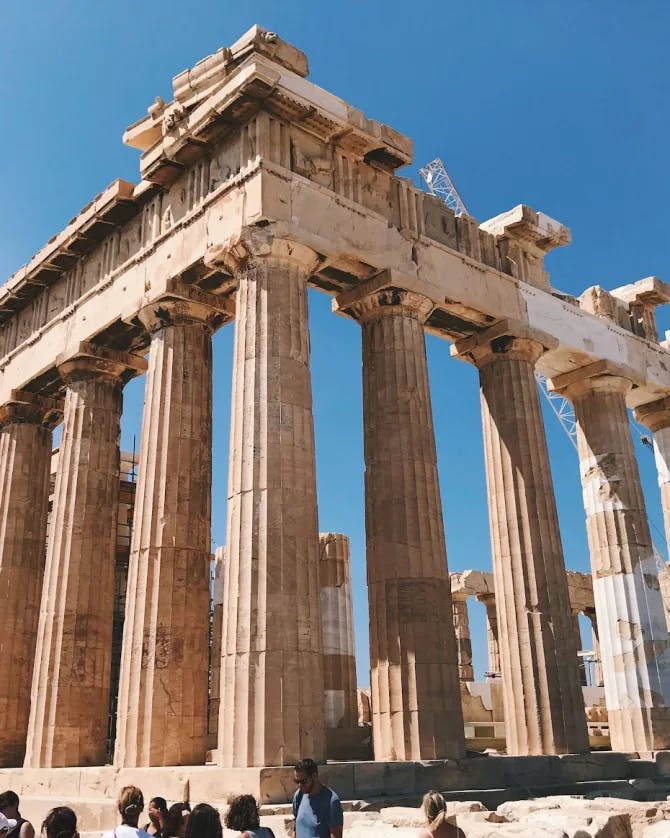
x: 302, y: 782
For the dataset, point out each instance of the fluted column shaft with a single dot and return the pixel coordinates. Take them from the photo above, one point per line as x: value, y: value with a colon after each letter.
x: 662, y: 455
x: 272, y: 668
x: 337, y: 620
x: 71, y: 679
x: 664, y: 583
x: 463, y: 641
x: 414, y: 663
x: 493, y: 646
x: 634, y: 644
x: 544, y: 711
x: 215, y: 654
x: 162, y: 713
x: 25, y: 456
x: 581, y: 669
x: 656, y: 417
x: 598, y: 673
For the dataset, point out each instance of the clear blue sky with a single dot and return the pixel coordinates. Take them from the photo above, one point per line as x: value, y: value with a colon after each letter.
x: 563, y: 106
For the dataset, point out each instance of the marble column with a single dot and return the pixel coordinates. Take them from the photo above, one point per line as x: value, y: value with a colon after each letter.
x: 493, y: 646
x: 656, y: 417
x: 162, y: 710
x: 337, y: 620
x: 544, y: 711
x: 26, y: 425
x: 581, y: 668
x: 272, y: 662
x: 664, y: 582
x: 215, y: 654
x: 459, y: 604
x: 416, y: 703
x: 598, y: 671
x: 634, y: 643
x: 71, y: 679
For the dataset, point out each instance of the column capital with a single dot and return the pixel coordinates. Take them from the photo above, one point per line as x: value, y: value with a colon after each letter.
x: 185, y: 305
x: 390, y: 302
x: 256, y: 246
x: 654, y: 415
x: 29, y: 408
x: 387, y: 294
x: 599, y: 377
x: 93, y: 361
x: 507, y: 340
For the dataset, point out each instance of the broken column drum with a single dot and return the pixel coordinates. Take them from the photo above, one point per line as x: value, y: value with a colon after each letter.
x: 337, y: 620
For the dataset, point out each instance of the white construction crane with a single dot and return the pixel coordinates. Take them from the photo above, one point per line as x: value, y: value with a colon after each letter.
x: 440, y: 184
x: 562, y: 408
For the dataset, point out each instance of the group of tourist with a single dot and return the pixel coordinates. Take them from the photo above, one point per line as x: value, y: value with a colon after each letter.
x: 317, y: 813
x: 177, y: 821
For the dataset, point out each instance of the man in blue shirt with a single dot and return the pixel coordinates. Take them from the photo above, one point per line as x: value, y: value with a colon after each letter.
x: 316, y: 808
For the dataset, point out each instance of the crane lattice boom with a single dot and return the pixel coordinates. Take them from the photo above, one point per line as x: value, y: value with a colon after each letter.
x: 440, y: 184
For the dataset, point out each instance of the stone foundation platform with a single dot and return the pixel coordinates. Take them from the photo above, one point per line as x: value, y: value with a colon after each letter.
x: 92, y: 791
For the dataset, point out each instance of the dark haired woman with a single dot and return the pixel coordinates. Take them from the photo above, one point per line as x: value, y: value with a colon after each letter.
x: 243, y: 815
x: 157, y: 812
x: 204, y: 822
x: 174, y: 825
x: 61, y: 822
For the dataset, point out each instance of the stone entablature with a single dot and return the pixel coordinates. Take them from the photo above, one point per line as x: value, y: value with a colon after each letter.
x: 254, y: 141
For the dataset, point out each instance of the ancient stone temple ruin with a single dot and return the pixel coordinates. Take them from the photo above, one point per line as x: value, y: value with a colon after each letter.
x: 256, y: 184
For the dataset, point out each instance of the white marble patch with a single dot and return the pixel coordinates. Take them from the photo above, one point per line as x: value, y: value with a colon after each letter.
x: 630, y: 612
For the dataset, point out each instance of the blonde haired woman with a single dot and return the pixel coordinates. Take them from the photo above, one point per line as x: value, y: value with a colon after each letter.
x: 435, y: 810
x: 130, y: 803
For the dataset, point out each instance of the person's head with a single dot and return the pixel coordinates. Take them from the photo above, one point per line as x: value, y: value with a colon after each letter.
x: 204, y: 822
x: 130, y: 803
x: 306, y: 776
x: 61, y: 822
x: 9, y: 804
x: 157, y: 810
x: 242, y: 813
x: 434, y: 808
x: 173, y: 821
